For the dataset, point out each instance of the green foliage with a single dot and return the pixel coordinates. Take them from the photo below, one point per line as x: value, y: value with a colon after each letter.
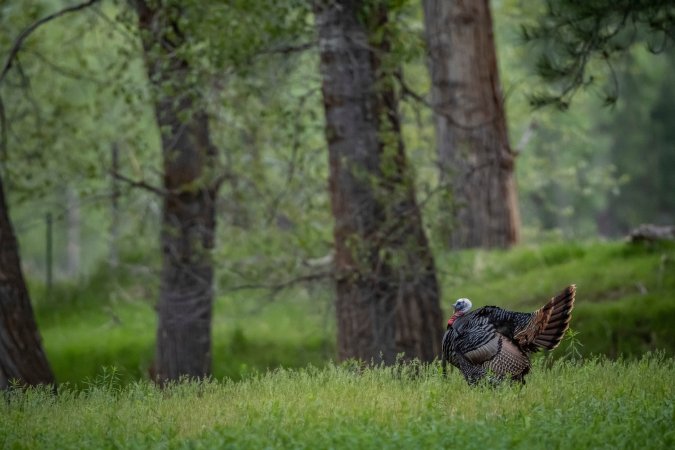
x: 82, y: 86
x: 263, y: 98
x: 573, y: 35
x: 646, y: 161
x: 71, y: 103
x: 567, y: 405
x: 575, y: 169
x: 67, y: 104
x: 565, y: 172
x: 109, y: 321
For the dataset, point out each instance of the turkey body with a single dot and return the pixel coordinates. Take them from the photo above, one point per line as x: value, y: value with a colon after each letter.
x: 497, y: 341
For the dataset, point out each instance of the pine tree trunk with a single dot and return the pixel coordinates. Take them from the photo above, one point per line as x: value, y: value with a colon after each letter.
x: 22, y: 357
x: 387, y: 293
x: 476, y: 160
x: 188, y: 219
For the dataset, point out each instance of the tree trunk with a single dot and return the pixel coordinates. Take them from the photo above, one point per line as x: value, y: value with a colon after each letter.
x: 387, y: 293
x: 22, y: 357
x: 113, y: 258
x: 188, y: 220
x: 73, y: 220
x: 475, y: 158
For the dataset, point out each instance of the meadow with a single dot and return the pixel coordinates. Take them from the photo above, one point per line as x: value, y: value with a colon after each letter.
x: 92, y: 160
x: 610, y: 384
x: 567, y: 405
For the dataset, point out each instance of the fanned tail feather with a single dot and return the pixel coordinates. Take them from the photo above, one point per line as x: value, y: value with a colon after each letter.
x: 556, y: 319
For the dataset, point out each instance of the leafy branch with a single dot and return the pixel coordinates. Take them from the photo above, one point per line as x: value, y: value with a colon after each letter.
x: 18, y: 42
x: 571, y: 34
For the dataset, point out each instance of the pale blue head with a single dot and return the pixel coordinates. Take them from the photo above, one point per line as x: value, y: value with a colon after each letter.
x: 462, y: 305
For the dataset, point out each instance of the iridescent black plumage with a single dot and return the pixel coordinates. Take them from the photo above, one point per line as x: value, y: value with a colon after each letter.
x: 492, y: 339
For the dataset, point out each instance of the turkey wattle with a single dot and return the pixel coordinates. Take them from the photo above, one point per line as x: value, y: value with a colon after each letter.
x: 497, y: 341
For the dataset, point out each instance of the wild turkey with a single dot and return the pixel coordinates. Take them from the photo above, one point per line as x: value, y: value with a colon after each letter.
x: 497, y: 341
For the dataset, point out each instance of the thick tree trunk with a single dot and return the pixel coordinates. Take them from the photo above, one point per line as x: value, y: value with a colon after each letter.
x: 186, y: 291
x: 475, y: 157
x: 22, y: 357
x: 387, y: 293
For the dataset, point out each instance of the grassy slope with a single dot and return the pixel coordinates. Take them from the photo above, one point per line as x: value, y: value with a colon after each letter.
x: 599, y: 404
x: 626, y: 305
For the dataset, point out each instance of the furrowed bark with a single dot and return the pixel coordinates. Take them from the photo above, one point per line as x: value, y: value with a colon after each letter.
x: 22, y: 357
x: 473, y: 147
x: 188, y: 218
x: 387, y: 292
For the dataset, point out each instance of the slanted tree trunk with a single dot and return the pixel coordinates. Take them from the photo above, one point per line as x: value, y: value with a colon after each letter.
x: 22, y: 357
x: 473, y: 147
x: 387, y: 293
x: 188, y: 219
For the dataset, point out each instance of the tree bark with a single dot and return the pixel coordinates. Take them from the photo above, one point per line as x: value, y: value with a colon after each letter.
x: 473, y: 147
x: 188, y: 219
x: 387, y: 292
x: 22, y: 357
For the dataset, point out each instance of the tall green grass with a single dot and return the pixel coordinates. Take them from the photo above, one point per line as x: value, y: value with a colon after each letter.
x: 595, y: 404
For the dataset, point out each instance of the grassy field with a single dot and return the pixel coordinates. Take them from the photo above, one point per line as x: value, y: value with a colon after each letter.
x: 625, y: 306
x: 595, y: 404
x: 610, y: 384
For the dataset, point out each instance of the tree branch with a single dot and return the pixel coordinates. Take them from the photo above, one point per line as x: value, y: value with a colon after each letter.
x: 29, y: 29
x: 139, y: 184
x: 288, y: 49
x: 214, y: 186
x: 276, y: 287
x: 220, y: 179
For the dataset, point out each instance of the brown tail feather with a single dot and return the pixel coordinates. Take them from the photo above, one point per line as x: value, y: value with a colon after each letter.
x: 549, y: 323
x: 559, y: 311
x: 558, y: 321
x: 552, y: 334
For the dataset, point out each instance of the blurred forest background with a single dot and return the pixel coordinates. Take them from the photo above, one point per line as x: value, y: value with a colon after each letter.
x: 81, y: 164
